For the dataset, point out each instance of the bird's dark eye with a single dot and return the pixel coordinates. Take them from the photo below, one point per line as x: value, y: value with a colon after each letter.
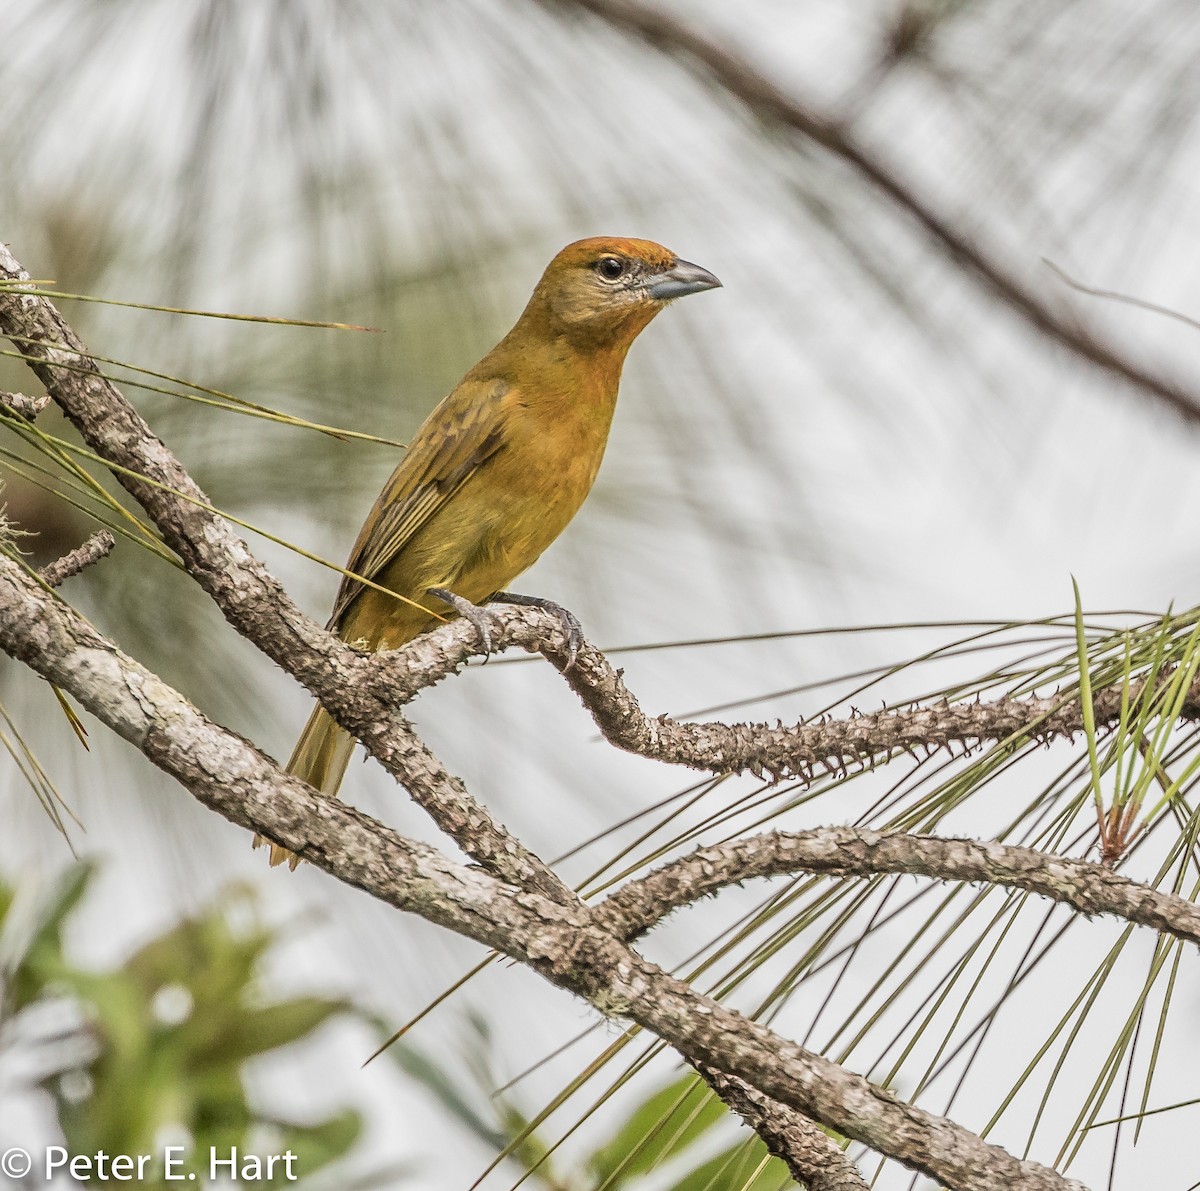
x: 610, y: 267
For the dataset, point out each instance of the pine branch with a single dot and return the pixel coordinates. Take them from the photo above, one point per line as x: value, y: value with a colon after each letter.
x: 249, y: 597
x: 567, y: 944
x: 517, y: 905
x: 23, y: 405
x: 800, y: 750
x: 854, y: 852
x: 812, y: 1157
x: 83, y: 556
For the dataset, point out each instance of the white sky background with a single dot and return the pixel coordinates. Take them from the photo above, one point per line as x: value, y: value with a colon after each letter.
x: 849, y: 432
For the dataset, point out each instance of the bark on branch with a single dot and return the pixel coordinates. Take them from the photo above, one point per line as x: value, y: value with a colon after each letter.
x: 83, y: 556
x: 23, y: 405
x: 813, y: 1158
x: 250, y: 598
x: 851, y: 851
x: 565, y: 943
x: 518, y: 905
x: 799, y: 750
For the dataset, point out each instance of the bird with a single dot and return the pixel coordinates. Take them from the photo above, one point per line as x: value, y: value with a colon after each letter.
x: 497, y: 470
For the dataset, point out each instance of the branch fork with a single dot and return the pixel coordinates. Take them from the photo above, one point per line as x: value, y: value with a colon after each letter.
x: 514, y: 902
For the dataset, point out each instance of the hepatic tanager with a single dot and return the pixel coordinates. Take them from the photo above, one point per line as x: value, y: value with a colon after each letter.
x: 501, y: 465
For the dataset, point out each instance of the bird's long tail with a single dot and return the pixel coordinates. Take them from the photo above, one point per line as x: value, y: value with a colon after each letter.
x: 319, y: 758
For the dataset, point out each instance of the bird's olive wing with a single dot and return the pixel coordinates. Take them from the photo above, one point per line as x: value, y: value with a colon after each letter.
x: 462, y: 432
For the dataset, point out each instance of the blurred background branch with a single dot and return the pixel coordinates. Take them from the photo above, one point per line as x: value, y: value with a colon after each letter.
x: 777, y: 107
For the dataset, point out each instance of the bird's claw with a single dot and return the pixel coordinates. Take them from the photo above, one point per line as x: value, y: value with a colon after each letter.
x: 569, y: 621
x: 478, y: 616
x: 470, y: 612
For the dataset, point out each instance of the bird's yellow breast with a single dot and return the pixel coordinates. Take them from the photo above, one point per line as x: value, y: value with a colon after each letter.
x: 527, y: 493
x: 498, y: 523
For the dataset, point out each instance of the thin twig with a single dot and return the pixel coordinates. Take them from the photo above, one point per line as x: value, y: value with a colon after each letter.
x: 91, y: 551
x: 802, y: 750
x: 1113, y: 295
x: 23, y: 405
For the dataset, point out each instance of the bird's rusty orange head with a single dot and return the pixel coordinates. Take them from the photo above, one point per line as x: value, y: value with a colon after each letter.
x: 601, y: 292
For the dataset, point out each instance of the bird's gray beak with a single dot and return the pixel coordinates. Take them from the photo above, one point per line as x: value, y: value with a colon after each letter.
x: 681, y: 279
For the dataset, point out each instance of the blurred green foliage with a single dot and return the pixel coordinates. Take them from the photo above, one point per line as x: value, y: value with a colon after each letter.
x: 676, y: 1127
x: 151, y: 1053
x: 155, y: 1048
x: 675, y: 1123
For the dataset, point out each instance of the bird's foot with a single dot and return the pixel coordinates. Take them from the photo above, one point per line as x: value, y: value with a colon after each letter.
x: 471, y: 612
x: 567, y: 618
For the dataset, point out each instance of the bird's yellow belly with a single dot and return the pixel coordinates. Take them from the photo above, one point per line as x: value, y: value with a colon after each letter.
x: 521, y: 520
x: 492, y: 530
